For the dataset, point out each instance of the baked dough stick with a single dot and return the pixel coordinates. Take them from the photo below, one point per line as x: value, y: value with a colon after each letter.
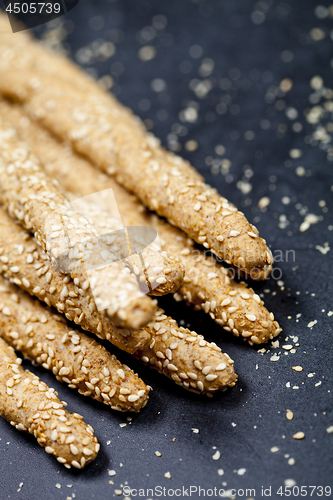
x: 157, y: 272
x: 187, y: 358
x: 15, y: 248
x: 74, y: 358
x: 24, y: 263
x: 207, y: 284
x: 186, y: 351
x: 30, y: 405
x: 109, y: 135
x: 164, y: 334
x: 34, y: 199
x: 25, y: 54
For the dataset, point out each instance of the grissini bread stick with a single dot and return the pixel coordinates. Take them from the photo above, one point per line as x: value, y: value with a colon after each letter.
x: 207, y: 284
x: 24, y: 53
x: 187, y: 358
x: 109, y: 135
x: 172, y: 273
x: 75, y: 359
x: 36, y: 202
x: 157, y: 272
x: 30, y: 405
x: 24, y: 263
x: 47, y: 284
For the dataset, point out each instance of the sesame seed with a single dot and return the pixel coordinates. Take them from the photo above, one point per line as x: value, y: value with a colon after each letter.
x: 299, y: 435
x: 220, y: 367
x: 172, y: 367
x: 289, y: 415
x: 226, y: 302
x: 212, y: 275
x: 121, y: 373
x: 289, y: 483
x: 87, y: 451
x: 73, y: 449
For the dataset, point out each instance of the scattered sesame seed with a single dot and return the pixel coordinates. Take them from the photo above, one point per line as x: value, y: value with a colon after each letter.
x: 289, y: 415
x: 289, y: 483
x: 299, y: 435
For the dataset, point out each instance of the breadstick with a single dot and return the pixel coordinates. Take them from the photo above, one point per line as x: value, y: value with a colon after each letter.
x: 74, y: 358
x: 30, y: 405
x: 107, y: 133
x: 187, y: 358
x: 23, y: 263
x: 157, y: 272
x: 207, y: 284
x: 14, y: 243
x: 34, y: 200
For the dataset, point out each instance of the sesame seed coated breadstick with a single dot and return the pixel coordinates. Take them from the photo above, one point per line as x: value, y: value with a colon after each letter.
x: 13, y: 266
x: 187, y: 358
x: 102, y: 129
x: 36, y: 202
x: 207, y: 284
x: 30, y: 405
x: 24, y: 263
x: 157, y: 272
x: 75, y: 359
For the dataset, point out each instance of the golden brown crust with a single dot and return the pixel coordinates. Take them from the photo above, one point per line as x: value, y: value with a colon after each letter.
x: 75, y: 359
x: 36, y: 202
x: 106, y: 132
x: 24, y: 263
x: 157, y: 272
x: 14, y: 242
x: 200, y: 287
x: 30, y: 405
x: 187, y: 358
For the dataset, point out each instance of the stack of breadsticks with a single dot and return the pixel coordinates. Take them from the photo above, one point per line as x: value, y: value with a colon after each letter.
x: 57, y: 126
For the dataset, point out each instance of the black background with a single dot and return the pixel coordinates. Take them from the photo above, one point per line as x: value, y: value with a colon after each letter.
x: 251, y: 60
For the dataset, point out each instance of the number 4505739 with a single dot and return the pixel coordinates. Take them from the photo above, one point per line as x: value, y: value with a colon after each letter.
x: 33, y: 8
x: 304, y: 491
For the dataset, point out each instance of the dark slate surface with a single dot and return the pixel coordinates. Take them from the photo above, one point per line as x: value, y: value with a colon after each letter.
x: 254, y: 46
